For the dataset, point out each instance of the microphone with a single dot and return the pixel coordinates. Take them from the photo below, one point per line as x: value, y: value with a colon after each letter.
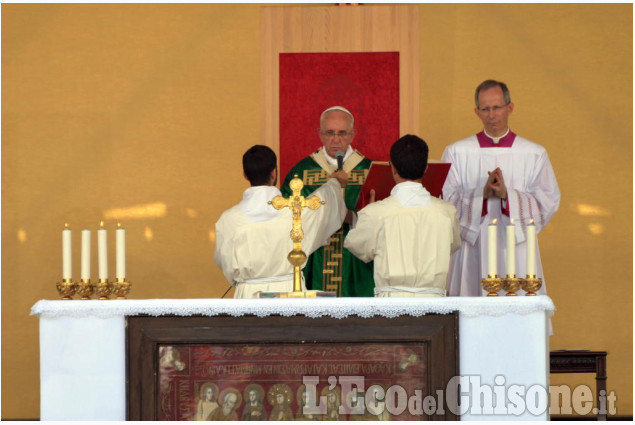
x: 339, y: 155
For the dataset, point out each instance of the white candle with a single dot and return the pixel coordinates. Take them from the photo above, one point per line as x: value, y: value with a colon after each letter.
x: 511, y: 248
x: 531, y: 249
x: 67, y: 262
x: 491, y: 249
x: 121, y: 251
x: 102, y: 252
x: 85, y: 274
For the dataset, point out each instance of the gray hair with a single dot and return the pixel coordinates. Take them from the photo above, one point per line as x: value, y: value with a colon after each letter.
x: 488, y: 84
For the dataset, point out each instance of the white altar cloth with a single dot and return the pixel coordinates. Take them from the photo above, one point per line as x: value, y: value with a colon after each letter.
x: 310, y: 307
x: 503, y: 342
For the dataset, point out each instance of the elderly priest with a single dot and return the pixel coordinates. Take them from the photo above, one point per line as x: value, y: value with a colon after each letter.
x: 334, y: 268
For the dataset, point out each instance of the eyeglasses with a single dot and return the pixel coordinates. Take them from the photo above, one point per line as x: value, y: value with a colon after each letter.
x: 330, y: 134
x: 495, y: 109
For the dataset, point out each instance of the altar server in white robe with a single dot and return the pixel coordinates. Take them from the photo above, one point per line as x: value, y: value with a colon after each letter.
x: 253, y: 238
x: 410, y: 234
x: 496, y: 174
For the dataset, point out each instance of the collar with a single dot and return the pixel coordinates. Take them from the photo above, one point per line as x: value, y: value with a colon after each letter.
x: 333, y: 161
x: 487, y: 141
x: 254, y: 204
x: 411, y: 194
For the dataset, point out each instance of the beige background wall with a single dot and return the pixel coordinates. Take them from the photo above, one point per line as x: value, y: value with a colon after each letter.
x: 140, y: 113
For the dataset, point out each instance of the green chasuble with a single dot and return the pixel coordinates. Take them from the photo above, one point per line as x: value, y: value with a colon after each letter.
x: 333, y: 267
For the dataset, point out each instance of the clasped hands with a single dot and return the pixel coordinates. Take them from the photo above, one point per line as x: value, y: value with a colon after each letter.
x: 495, y: 186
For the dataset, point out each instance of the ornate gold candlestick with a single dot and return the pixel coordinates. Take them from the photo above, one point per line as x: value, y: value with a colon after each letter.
x: 66, y: 288
x: 531, y: 284
x: 103, y: 289
x: 121, y: 287
x: 492, y: 284
x: 85, y: 289
x: 511, y: 284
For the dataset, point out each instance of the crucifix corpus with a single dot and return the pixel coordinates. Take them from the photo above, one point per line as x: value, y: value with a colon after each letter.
x: 297, y: 257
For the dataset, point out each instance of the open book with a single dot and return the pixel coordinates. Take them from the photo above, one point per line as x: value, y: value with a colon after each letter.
x: 380, y: 178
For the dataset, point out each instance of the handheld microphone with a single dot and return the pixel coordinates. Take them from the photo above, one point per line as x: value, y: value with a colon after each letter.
x: 339, y: 155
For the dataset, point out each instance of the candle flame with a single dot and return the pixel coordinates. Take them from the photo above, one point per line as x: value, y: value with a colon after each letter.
x: 494, y: 221
x: 118, y: 225
x: 511, y: 221
x: 531, y: 221
x: 101, y: 223
x: 66, y: 225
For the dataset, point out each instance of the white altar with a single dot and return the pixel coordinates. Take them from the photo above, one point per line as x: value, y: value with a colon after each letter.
x: 503, y: 346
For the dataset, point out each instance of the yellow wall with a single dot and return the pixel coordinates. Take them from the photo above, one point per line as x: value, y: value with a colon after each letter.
x: 120, y: 106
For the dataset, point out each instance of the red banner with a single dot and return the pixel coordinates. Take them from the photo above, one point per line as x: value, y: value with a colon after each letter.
x: 367, y: 84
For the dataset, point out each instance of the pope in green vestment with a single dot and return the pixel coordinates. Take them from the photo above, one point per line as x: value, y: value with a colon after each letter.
x: 333, y: 267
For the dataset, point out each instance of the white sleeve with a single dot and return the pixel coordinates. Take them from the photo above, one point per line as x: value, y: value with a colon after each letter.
x: 362, y: 240
x: 539, y: 202
x: 468, y: 202
x: 320, y: 224
x: 224, y: 250
x: 456, y: 235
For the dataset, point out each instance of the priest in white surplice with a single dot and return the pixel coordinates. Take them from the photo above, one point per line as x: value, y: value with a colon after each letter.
x: 410, y: 234
x: 496, y: 174
x: 252, y: 238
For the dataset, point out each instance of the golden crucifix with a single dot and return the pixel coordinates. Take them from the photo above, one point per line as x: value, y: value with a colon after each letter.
x: 296, y: 202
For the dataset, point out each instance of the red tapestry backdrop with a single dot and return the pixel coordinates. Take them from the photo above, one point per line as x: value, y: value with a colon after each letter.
x: 367, y: 84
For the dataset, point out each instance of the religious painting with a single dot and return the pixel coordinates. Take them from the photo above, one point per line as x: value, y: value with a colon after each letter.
x: 295, y: 368
x: 254, y: 409
x: 266, y: 378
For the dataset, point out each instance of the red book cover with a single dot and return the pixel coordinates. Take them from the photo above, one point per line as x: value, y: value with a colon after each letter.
x: 380, y: 178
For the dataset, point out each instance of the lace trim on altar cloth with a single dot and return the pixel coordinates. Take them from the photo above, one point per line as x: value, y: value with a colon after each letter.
x: 338, y: 308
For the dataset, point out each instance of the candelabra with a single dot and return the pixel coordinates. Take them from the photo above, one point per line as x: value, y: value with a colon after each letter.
x: 103, y: 289
x: 531, y: 284
x: 492, y: 284
x: 121, y: 287
x: 511, y: 284
x: 66, y: 288
x: 85, y: 289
